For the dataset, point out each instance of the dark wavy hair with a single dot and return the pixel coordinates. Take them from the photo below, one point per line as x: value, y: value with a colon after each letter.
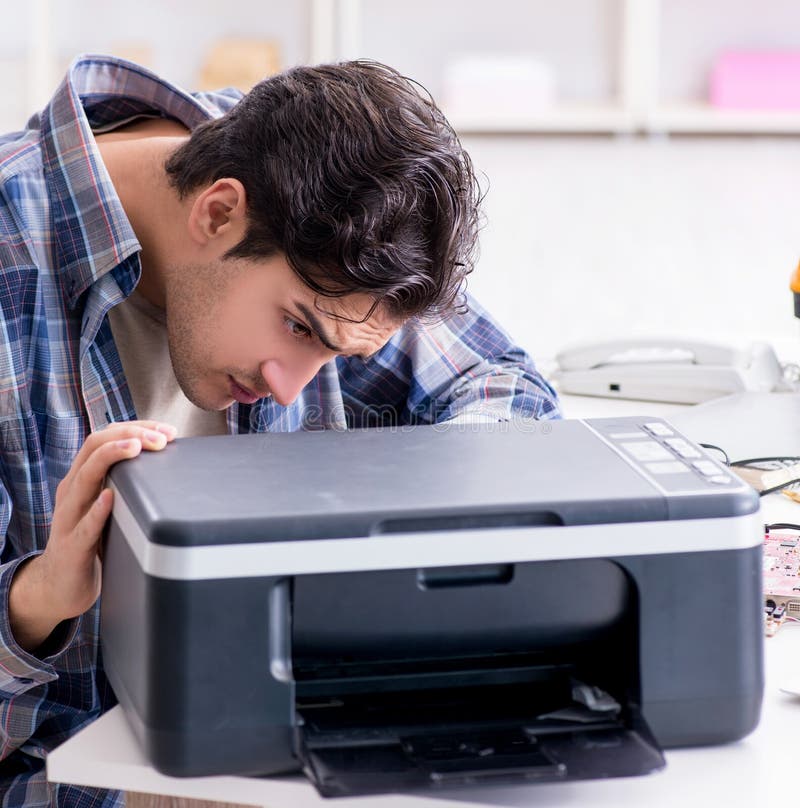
x: 354, y: 174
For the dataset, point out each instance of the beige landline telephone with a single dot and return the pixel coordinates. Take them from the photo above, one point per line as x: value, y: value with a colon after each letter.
x: 671, y: 370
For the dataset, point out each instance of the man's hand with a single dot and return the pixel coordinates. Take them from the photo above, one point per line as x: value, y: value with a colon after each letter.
x: 64, y: 581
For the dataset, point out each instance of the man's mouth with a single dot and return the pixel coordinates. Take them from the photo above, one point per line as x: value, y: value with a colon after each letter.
x: 242, y: 394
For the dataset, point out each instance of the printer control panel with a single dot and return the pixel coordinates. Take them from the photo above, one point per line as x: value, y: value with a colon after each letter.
x: 664, y: 455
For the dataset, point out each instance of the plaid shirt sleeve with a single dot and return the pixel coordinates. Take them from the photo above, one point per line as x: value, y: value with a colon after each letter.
x: 465, y: 367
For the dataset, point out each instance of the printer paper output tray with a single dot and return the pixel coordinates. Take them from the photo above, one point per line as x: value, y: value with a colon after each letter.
x: 380, y: 757
x: 502, y: 756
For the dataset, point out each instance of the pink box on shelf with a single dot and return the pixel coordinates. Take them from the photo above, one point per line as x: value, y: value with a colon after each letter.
x: 756, y: 80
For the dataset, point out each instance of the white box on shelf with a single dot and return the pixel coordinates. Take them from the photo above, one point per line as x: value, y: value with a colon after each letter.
x: 497, y: 84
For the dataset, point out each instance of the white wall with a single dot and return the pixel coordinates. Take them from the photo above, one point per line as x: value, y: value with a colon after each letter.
x: 597, y: 237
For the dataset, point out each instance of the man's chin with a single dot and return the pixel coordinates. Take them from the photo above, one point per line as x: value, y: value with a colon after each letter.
x: 208, y: 403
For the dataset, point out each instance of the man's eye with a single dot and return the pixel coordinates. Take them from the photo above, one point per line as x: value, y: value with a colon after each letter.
x: 298, y: 329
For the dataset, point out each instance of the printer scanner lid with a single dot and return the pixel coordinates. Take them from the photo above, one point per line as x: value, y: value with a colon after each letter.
x: 280, y: 487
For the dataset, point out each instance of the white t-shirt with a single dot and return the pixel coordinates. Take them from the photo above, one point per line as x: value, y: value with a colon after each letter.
x: 140, y: 333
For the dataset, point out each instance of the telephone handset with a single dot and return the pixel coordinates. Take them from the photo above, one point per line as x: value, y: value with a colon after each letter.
x: 671, y: 370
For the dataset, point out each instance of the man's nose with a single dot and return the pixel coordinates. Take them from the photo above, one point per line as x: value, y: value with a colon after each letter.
x: 286, y: 379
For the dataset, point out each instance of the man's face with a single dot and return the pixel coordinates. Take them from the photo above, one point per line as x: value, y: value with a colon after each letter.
x: 240, y: 330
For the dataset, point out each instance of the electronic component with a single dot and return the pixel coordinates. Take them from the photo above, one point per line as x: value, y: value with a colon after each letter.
x: 781, y: 576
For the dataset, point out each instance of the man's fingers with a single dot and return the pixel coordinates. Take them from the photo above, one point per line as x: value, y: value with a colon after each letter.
x: 87, y: 481
x: 89, y: 477
x: 90, y: 527
x: 119, y: 431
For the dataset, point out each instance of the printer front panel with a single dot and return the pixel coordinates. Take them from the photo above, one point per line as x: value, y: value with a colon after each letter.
x: 427, y: 654
x: 191, y: 664
x: 214, y: 698
x: 404, y: 617
x: 701, y: 643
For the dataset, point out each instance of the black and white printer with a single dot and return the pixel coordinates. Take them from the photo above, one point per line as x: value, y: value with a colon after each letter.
x: 430, y: 606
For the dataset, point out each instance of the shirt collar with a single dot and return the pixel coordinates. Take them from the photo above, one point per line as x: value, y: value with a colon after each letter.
x: 92, y: 234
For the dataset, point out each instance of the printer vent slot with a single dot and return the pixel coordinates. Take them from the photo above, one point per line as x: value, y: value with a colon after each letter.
x: 461, y: 521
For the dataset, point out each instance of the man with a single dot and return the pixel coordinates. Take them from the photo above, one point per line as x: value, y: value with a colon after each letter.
x: 176, y: 265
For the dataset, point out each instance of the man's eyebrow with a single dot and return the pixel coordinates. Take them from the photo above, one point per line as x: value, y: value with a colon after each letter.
x: 316, y: 327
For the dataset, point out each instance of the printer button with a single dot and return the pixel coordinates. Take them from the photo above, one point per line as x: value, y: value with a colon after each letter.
x: 668, y: 467
x: 720, y: 479
x: 659, y: 429
x: 706, y: 467
x: 682, y: 447
x: 646, y: 450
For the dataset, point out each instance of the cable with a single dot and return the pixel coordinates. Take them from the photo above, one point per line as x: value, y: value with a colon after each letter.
x: 785, y: 462
x: 779, y: 487
x: 751, y: 460
x: 717, y: 449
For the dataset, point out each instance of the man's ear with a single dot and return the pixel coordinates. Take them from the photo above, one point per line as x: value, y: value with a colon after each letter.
x: 218, y: 214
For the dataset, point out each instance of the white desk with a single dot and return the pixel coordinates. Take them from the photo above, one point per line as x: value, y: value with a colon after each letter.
x: 745, y: 774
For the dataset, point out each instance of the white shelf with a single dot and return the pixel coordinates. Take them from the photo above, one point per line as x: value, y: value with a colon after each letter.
x: 603, y: 118
x: 641, y: 31
x: 705, y: 119
x: 335, y: 31
x: 686, y: 118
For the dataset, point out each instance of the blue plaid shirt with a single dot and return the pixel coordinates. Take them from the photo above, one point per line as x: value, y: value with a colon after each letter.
x: 67, y: 255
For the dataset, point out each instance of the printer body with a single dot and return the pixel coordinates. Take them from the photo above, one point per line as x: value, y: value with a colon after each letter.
x: 433, y: 606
